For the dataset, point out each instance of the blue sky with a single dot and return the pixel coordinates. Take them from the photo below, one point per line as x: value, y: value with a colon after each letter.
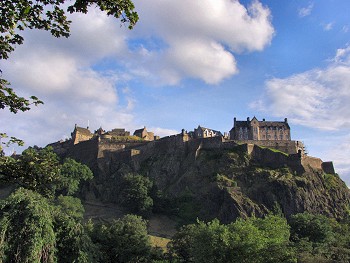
x: 193, y: 62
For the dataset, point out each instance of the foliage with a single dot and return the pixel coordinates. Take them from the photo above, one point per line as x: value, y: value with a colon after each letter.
x: 132, y: 138
x: 251, y: 240
x: 72, y: 173
x: 225, y: 180
x: 41, y: 171
x: 314, y: 235
x: 51, y: 16
x: 135, y: 194
x: 33, y: 170
x: 314, y: 228
x: 26, y: 227
x: 9, y: 99
x: 274, y: 150
x: 15, y: 16
x: 70, y: 206
x: 124, y: 240
x: 181, y: 245
x: 159, y: 242
x: 73, y: 243
x: 332, y: 181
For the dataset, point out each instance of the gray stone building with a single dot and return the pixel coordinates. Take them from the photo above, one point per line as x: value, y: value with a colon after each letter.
x: 260, y: 130
x: 202, y: 132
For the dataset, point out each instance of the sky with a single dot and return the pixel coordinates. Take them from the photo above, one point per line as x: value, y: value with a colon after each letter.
x: 188, y: 63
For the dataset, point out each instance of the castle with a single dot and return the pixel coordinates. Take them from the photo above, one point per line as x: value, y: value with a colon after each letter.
x: 272, y: 134
x: 260, y: 130
x: 80, y: 134
x: 267, y: 141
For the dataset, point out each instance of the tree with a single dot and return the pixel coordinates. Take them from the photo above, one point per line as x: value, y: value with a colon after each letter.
x: 124, y: 240
x: 40, y: 170
x: 313, y: 235
x: 71, y: 175
x: 51, y: 16
x: 73, y: 243
x: 34, y: 170
x: 251, y: 240
x: 135, y: 190
x: 26, y: 228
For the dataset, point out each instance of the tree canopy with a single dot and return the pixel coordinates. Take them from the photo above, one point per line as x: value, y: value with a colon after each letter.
x: 52, y: 16
x: 41, y: 171
x: 16, y: 16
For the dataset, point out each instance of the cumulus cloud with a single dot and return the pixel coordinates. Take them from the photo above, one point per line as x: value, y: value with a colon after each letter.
x: 84, y: 77
x: 319, y: 99
x: 306, y: 11
x: 60, y: 72
x: 316, y: 98
x: 200, y: 37
x: 341, y: 155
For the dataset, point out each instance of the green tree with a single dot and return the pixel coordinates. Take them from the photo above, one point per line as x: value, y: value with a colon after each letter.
x: 313, y: 236
x: 251, y: 240
x: 27, y: 228
x: 73, y: 243
x: 72, y: 174
x: 41, y: 171
x: 135, y: 194
x: 34, y: 170
x: 124, y: 240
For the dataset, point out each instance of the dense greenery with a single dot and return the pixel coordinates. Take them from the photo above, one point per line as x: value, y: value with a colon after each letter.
x: 251, y: 240
x: 42, y: 172
x: 41, y: 221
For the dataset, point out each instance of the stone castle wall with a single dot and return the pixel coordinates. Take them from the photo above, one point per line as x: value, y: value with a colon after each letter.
x: 290, y: 147
x: 97, y: 148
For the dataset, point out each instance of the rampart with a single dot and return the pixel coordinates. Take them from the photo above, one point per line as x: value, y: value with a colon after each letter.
x: 290, y: 147
x: 275, y: 154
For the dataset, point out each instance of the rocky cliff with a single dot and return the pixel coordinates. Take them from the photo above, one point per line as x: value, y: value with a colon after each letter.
x: 208, y: 179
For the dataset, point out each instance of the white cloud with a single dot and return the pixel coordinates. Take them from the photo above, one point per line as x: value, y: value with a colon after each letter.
x: 199, y: 37
x: 306, y: 11
x: 317, y: 98
x: 83, y: 77
x: 328, y: 26
x: 340, y: 152
x: 162, y: 132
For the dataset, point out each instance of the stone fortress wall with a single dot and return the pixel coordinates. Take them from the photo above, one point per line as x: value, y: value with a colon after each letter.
x: 273, y: 153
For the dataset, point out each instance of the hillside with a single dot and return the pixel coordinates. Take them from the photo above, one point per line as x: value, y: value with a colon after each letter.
x: 209, y: 178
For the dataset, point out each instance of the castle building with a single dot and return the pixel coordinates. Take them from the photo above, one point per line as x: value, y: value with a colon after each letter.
x: 80, y: 134
x: 202, y: 132
x: 118, y: 132
x: 260, y: 130
x: 144, y: 134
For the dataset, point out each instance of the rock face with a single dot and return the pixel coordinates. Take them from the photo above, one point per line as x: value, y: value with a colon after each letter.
x: 207, y: 178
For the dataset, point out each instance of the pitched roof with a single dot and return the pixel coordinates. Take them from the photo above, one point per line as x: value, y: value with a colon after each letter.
x: 273, y: 123
x: 262, y: 123
x: 203, y: 129
x: 83, y: 130
x: 140, y: 130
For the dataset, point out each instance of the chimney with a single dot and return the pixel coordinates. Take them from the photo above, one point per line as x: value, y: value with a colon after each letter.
x: 248, y: 119
x: 234, y: 121
x: 263, y: 119
x: 285, y: 120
